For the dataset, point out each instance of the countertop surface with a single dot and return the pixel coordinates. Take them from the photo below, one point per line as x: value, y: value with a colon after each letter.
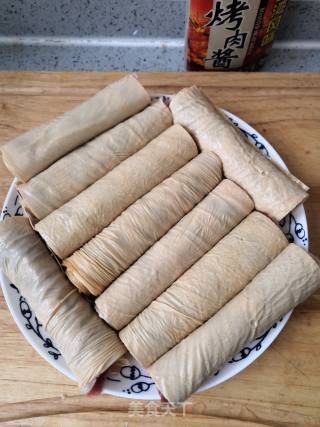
x: 131, y: 35
x: 282, y: 387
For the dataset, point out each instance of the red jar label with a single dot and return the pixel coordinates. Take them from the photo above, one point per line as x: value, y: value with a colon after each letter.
x: 231, y: 34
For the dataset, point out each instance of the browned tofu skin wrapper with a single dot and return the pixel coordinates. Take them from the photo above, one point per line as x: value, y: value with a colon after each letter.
x: 274, y: 191
x: 35, y: 150
x: 100, y: 261
x: 206, y: 287
x: 86, y: 343
x: 174, y: 253
x: 286, y: 282
x: 66, y: 229
x: 74, y: 172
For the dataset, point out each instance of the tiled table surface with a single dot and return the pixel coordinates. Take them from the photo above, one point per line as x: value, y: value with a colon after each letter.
x: 131, y: 35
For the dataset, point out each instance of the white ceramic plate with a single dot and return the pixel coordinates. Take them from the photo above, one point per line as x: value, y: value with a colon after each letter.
x: 133, y: 381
